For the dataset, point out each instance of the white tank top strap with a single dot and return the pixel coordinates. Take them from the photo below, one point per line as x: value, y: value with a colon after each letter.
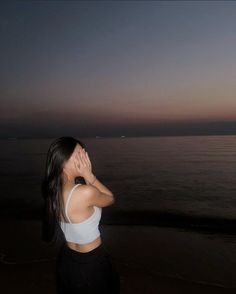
x: 68, y: 199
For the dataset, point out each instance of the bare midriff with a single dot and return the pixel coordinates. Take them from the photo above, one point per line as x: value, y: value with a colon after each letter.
x: 85, y: 247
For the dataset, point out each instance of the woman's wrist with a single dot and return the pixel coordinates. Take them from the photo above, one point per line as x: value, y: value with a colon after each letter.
x: 90, y: 179
x: 94, y: 179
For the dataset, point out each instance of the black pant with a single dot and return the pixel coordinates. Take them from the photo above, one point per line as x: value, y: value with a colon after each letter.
x: 86, y: 273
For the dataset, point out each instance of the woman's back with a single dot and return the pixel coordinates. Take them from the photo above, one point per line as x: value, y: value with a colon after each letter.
x: 76, y: 207
x: 83, y: 227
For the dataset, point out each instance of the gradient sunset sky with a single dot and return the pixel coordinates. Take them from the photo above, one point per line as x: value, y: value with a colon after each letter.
x: 111, y: 68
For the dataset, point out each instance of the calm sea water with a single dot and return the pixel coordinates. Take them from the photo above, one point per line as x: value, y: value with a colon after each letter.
x: 174, y: 181
x: 193, y: 175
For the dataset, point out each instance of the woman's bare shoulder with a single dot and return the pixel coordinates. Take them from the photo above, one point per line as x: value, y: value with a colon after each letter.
x: 91, y: 196
x: 85, y: 191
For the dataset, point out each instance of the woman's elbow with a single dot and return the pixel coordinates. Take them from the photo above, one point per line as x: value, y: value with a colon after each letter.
x: 112, y: 199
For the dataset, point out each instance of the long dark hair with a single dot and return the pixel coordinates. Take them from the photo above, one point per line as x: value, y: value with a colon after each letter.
x: 59, y: 151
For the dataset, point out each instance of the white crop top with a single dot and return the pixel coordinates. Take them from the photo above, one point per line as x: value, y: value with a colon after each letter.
x: 83, y: 232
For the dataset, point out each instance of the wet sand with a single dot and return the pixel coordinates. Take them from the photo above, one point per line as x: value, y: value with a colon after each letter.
x: 150, y: 260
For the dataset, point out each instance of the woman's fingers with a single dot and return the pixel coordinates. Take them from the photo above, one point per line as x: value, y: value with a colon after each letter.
x: 77, y: 167
x: 75, y: 164
x: 86, y: 157
x: 77, y: 161
x: 83, y: 158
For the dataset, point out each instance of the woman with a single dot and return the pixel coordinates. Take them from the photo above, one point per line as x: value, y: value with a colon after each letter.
x: 83, y: 263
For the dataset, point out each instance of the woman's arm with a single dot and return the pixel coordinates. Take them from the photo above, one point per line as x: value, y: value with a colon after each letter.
x: 92, y: 180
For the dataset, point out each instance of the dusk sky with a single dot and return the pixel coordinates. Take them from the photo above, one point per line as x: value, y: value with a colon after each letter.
x: 112, y: 68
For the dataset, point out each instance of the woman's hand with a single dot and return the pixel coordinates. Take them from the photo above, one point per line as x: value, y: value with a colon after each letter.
x: 83, y: 164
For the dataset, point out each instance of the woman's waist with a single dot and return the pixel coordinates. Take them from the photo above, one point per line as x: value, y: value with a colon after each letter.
x: 84, y: 248
x: 73, y: 251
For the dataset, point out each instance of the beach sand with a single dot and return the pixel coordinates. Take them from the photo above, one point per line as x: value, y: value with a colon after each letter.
x: 150, y: 260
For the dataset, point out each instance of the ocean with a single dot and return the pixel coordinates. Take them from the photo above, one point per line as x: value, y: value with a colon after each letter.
x: 183, y: 187
x: 189, y: 175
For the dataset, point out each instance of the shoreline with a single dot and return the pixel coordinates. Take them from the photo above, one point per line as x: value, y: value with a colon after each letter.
x: 176, y: 220
x: 151, y: 266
